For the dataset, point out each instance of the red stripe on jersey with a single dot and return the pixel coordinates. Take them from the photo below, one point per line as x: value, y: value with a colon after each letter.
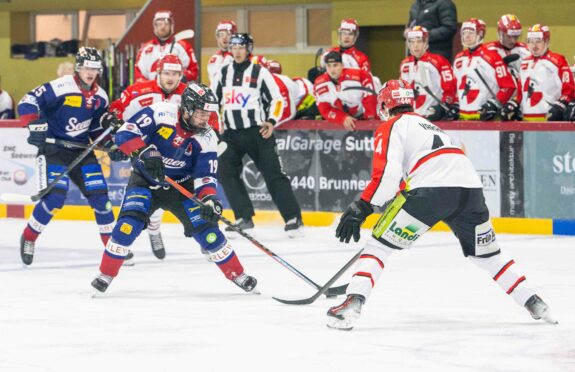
x: 519, y: 281
x: 379, y: 160
x: 132, y: 145
x: 503, y: 270
x: 366, y: 275
x: 372, y: 257
x: 434, y: 154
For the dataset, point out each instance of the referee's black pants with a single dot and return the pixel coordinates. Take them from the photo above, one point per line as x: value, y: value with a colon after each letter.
x: 263, y: 153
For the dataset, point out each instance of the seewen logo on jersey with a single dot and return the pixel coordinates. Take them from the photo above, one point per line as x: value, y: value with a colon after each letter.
x: 74, y: 129
x: 235, y: 98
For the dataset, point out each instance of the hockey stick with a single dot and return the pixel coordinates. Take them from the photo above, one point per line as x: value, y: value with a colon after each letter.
x: 27, y: 198
x: 493, y: 95
x: 76, y: 145
x: 182, y: 35
x: 425, y: 86
x: 323, y: 289
x: 330, y: 291
x: 365, y: 89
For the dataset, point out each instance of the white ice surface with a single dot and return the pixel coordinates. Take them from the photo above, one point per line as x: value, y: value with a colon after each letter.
x: 432, y: 310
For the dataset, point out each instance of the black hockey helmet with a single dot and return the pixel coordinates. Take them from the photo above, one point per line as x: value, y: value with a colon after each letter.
x: 88, y: 57
x: 243, y: 39
x: 196, y: 96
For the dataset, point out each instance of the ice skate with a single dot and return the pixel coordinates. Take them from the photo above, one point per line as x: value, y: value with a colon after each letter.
x: 157, y: 244
x: 343, y: 316
x: 294, y: 228
x: 26, y: 250
x: 243, y: 224
x: 539, y: 309
x: 101, y: 283
x: 247, y: 283
x: 129, y: 260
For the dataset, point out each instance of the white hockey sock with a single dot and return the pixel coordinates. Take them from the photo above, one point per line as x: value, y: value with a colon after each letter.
x: 155, y: 222
x: 507, y: 275
x: 368, y: 268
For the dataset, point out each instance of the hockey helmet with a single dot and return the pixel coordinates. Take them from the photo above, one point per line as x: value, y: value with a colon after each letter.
x: 509, y: 25
x: 394, y: 93
x: 244, y: 39
x: 274, y: 66
x: 227, y: 26
x: 88, y: 57
x: 196, y: 97
x: 539, y: 31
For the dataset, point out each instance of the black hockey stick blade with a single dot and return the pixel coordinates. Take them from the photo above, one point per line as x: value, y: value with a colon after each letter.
x: 365, y: 89
x: 511, y: 58
x: 322, y: 290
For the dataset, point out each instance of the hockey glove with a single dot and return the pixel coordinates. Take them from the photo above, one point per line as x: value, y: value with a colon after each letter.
x: 510, y: 111
x: 109, y: 119
x: 489, y: 110
x: 569, y: 114
x: 556, y: 111
x: 148, y: 161
x: 435, y: 113
x: 453, y: 113
x: 38, y: 133
x: 351, y: 220
x: 211, y: 209
x: 117, y: 155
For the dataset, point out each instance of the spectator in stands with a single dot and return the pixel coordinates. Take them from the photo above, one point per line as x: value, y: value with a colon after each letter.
x: 6, y: 104
x: 431, y: 78
x: 547, y: 80
x: 65, y: 68
x: 440, y: 19
x: 484, y: 84
x: 344, y: 95
x: 164, y: 43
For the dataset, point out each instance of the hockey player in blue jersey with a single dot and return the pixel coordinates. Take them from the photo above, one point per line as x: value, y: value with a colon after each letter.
x: 71, y: 108
x: 172, y: 140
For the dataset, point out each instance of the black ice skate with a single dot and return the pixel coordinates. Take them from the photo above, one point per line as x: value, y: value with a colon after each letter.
x: 539, y: 309
x: 242, y: 223
x: 343, y: 316
x: 26, y: 250
x: 246, y: 282
x: 157, y: 246
x: 129, y: 259
x: 101, y: 282
x: 293, y: 227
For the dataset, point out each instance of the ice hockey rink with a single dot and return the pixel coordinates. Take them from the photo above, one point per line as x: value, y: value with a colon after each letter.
x: 432, y: 310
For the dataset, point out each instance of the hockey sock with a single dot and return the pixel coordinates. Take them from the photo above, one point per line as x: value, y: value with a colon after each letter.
x: 368, y: 268
x: 507, y: 275
x: 155, y: 222
x: 219, y: 251
x: 104, y: 215
x: 113, y: 258
x: 42, y: 214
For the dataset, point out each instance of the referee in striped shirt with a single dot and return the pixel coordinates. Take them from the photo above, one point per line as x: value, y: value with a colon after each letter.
x: 252, y: 105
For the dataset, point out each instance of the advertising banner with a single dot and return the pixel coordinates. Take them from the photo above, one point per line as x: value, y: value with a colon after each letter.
x: 17, y: 162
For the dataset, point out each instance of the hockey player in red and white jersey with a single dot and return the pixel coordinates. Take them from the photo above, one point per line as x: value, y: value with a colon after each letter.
x: 348, y: 32
x: 546, y: 78
x: 438, y: 183
x: 297, y: 93
x: 431, y: 77
x: 164, y: 43
x: 343, y: 94
x: 224, y: 31
x: 509, y: 31
x: 484, y: 84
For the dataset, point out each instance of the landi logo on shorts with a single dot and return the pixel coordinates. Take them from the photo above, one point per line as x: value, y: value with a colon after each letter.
x: 407, y: 233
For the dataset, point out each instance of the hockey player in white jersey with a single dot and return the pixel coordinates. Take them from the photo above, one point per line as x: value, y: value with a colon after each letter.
x: 224, y: 32
x: 437, y: 183
x: 431, y: 78
x: 547, y: 81
x: 484, y: 84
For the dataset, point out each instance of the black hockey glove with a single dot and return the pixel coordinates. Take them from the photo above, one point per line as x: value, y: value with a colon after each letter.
x: 109, y: 119
x: 510, y: 111
x: 211, y: 209
x: 569, y: 114
x: 351, y: 220
x: 489, y: 110
x: 435, y: 113
x: 117, y: 155
x: 148, y: 161
x: 38, y: 133
x: 453, y: 113
x: 556, y: 111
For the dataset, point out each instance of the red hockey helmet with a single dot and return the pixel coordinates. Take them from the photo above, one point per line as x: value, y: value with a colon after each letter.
x: 228, y: 26
x: 476, y: 25
x: 509, y: 25
x: 164, y: 14
x: 348, y: 24
x: 274, y: 66
x: 539, y: 31
x: 417, y: 32
x: 170, y: 62
x: 394, y: 93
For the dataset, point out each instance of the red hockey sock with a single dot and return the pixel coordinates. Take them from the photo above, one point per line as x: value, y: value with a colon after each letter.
x: 105, y: 238
x: 232, y: 267
x: 30, y: 234
x: 110, y: 265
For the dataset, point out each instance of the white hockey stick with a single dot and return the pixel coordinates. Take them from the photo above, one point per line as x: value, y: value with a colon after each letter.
x: 182, y: 35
